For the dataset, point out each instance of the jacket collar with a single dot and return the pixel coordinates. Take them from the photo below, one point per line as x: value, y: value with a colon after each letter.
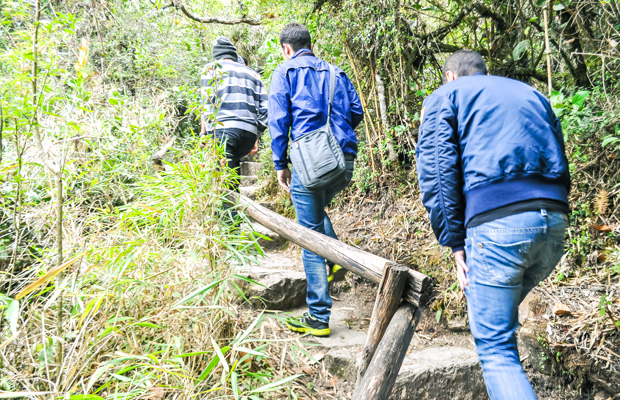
x: 302, y: 52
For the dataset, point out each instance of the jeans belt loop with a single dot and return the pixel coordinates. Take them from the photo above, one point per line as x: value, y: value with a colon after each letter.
x: 543, y: 212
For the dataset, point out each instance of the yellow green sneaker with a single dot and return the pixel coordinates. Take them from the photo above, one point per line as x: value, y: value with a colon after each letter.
x: 308, y: 324
x: 336, y: 273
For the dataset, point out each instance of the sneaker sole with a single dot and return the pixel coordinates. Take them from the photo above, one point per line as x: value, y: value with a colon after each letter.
x: 314, y: 332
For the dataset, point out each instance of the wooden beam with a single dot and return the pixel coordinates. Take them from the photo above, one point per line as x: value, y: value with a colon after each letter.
x: 157, y: 157
x: 389, y: 296
x: 380, y: 377
x: 353, y: 259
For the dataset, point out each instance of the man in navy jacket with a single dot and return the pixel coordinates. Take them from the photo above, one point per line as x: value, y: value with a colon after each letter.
x: 494, y: 178
x: 298, y: 103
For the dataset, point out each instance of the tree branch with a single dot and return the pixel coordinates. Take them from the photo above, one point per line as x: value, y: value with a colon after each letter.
x: 178, y: 4
x: 482, y: 10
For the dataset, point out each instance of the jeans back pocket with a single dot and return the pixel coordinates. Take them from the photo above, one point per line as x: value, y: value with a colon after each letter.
x: 504, y: 264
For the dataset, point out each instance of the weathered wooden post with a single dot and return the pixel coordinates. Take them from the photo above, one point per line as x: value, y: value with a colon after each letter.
x: 389, y: 297
x: 378, y: 382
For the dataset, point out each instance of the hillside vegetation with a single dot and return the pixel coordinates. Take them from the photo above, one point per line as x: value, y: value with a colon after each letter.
x: 116, y: 278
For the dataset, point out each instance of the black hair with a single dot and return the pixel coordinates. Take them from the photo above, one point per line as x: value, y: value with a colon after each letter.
x: 296, y: 35
x: 464, y: 63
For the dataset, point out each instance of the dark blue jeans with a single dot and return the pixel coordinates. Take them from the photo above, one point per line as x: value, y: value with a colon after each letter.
x: 507, y: 258
x: 310, y: 210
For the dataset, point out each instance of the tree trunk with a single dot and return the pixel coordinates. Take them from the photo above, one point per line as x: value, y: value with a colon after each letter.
x: 572, y: 42
x: 392, y: 156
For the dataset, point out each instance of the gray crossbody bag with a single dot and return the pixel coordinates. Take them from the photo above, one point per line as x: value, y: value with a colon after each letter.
x: 316, y: 156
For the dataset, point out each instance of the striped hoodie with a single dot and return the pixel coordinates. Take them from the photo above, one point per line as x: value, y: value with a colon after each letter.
x: 233, y: 97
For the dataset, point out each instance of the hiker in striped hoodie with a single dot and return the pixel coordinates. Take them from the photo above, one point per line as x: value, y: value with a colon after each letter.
x: 234, y: 103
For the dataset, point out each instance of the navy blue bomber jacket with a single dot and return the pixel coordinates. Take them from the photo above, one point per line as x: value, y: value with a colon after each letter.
x: 486, y: 142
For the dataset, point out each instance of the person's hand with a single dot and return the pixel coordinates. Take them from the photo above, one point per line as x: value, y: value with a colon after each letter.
x: 461, y: 268
x: 284, y: 179
x: 255, y: 148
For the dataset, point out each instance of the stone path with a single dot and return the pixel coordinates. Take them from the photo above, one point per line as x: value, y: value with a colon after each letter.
x: 449, y: 372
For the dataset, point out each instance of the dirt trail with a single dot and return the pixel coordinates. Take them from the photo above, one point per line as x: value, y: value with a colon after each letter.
x: 441, y: 363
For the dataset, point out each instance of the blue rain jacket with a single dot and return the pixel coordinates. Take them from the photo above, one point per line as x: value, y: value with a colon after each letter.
x: 298, y: 102
x: 486, y: 142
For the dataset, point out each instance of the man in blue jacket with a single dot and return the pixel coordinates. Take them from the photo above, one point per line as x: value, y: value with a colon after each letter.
x: 298, y: 102
x: 494, y: 179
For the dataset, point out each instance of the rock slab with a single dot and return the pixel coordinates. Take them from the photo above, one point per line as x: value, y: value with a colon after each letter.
x: 277, y: 289
x: 442, y: 373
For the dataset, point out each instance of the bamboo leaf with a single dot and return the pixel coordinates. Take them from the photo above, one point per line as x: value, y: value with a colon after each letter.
x: 519, y: 50
x: 196, y: 293
x: 12, y: 312
x: 250, y: 329
x: 235, y: 386
x: 96, y: 375
x: 14, y: 395
x: 250, y: 351
x: 275, y: 385
x: 609, y: 140
x: 52, y: 273
x: 218, y: 351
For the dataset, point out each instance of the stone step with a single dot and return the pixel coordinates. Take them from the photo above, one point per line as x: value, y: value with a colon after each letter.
x: 251, y: 157
x: 341, y: 335
x: 435, y: 373
x: 440, y: 373
x: 250, y: 191
x: 277, y: 289
x: 249, y: 168
x: 248, y: 180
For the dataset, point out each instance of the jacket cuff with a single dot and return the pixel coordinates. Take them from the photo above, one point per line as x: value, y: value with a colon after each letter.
x: 457, y: 248
x: 280, y: 165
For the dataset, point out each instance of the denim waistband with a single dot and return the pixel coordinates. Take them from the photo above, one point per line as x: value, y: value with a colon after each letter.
x: 527, y: 221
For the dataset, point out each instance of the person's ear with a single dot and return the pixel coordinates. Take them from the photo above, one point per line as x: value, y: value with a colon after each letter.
x: 450, y: 76
x: 287, y: 50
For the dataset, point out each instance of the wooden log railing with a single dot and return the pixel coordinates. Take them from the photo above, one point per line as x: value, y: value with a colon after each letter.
x: 401, y: 295
x: 358, y: 261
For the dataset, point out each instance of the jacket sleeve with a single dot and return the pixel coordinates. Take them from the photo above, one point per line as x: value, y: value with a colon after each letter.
x: 262, y: 107
x: 439, y: 171
x: 357, y: 112
x: 280, y: 118
x: 557, y: 131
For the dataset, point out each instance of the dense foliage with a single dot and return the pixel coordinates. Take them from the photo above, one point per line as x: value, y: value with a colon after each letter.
x: 115, y: 271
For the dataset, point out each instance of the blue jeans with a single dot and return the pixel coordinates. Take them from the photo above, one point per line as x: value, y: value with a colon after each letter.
x: 310, y: 210
x: 507, y: 257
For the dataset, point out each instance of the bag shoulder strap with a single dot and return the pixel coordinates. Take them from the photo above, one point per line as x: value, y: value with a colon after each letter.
x: 332, y: 88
